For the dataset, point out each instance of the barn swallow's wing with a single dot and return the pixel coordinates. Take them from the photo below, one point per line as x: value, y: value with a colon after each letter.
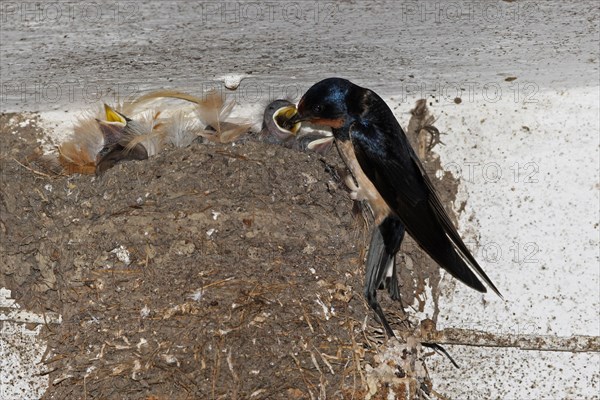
x: 387, y: 159
x: 442, y: 216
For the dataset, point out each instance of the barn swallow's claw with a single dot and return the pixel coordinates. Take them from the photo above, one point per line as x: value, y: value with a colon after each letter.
x: 434, y: 137
x: 355, y: 192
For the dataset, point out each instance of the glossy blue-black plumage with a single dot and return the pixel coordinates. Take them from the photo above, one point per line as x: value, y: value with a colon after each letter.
x: 387, y: 159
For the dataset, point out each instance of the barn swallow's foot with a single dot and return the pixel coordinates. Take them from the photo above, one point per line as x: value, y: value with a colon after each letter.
x: 356, y: 192
x: 434, y: 134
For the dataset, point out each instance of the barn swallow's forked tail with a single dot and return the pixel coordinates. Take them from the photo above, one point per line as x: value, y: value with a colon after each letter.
x: 381, y: 273
x: 381, y: 265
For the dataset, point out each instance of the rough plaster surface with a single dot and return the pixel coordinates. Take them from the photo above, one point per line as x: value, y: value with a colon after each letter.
x: 21, y: 351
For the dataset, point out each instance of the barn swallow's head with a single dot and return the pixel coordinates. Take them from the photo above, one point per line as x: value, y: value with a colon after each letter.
x: 117, y: 132
x: 113, y: 126
x: 325, y: 103
x: 277, y: 120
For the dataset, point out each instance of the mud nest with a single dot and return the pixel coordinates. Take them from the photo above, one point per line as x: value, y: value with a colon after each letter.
x: 212, y: 271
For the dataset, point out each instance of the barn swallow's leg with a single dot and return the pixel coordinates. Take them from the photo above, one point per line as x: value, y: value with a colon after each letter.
x: 380, y: 265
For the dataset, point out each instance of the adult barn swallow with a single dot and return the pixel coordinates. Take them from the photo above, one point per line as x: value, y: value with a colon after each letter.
x: 390, y: 176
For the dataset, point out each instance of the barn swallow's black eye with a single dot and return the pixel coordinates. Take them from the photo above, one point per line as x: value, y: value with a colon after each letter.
x: 317, y: 108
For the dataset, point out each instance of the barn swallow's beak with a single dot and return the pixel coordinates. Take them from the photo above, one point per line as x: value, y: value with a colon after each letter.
x: 297, y: 118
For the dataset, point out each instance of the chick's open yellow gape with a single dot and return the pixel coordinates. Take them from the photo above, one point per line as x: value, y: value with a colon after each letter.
x: 282, y: 118
x: 113, y: 116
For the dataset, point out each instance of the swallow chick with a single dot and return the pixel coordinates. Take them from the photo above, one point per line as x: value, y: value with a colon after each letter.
x: 104, y: 137
x: 213, y: 110
x: 390, y: 176
x: 278, y: 128
x: 121, y: 141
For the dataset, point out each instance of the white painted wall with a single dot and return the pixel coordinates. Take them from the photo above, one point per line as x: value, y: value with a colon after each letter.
x: 537, y: 233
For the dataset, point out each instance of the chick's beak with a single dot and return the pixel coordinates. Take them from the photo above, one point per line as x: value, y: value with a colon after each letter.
x: 114, y: 116
x: 113, y: 127
x: 286, y: 119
